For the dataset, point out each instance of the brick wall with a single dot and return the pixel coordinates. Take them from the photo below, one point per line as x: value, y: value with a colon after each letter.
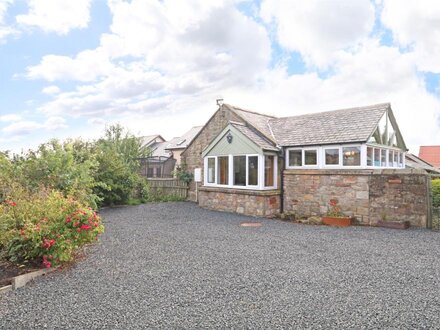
x: 192, y: 156
x: 369, y: 196
x: 248, y: 202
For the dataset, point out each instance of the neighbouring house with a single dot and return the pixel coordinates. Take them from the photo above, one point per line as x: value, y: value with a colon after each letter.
x: 160, y: 163
x: 431, y: 155
x: 412, y: 161
x: 261, y: 165
x: 178, y: 144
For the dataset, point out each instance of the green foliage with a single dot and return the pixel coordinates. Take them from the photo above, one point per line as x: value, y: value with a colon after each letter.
x: 45, y: 227
x: 118, y: 155
x: 68, y: 167
x: 436, y: 192
x: 183, y: 175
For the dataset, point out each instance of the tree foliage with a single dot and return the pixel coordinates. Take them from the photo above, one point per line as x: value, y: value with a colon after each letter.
x: 436, y: 193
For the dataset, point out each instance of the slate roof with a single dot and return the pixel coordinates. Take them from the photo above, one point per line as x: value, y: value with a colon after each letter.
x: 330, y: 127
x: 150, y: 139
x: 255, y: 119
x: 158, y: 150
x: 183, y: 141
x: 255, y: 136
x: 430, y: 154
x: 413, y: 161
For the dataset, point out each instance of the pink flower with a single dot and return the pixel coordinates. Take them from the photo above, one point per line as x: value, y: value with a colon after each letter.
x: 46, y: 263
x: 10, y: 203
x: 85, y: 227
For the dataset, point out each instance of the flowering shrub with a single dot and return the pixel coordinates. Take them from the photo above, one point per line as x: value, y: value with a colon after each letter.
x: 334, y: 210
x: 45, y: 227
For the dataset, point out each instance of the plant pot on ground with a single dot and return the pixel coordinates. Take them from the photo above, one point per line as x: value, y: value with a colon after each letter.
x: 335, y: 217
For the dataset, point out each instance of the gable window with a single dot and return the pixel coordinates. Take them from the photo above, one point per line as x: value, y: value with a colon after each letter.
x: 295, y: 157
x: 351, y: 156
x: 223, y: 170
x: 332, y: 156
x: 269, y: 171
x: 211, y: 170
x: 253, y: 170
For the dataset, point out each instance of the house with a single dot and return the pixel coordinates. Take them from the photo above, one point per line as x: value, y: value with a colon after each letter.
x: 412, y: 161
x: 430, y: 154
x: 176, y: 145
x: 160, y: 163
x: 261, y: 165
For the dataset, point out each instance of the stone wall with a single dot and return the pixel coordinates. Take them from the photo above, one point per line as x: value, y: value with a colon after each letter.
x: 367, y: 195
x: 192, y: 156
x: 248, y: 202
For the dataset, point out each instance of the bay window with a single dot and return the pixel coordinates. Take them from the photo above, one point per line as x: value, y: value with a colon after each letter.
x: 241, y: 171
x: 211, y: 170
x: 223, y: 170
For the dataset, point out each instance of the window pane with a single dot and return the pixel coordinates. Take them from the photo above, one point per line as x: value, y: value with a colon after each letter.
x: 223, y: 170
x: 376, y: 157
x: 401, y: 159
x: 211, y: 170
x: 239, y: 170
x: 352, y: 156
x: 310, y: 157
x: 253, y: 170
x: 384, y: 157
x: 295, y: 157
x: 370, y: 156
x: 332, y: 156
x: 396, y: 158
x: 269, y: 171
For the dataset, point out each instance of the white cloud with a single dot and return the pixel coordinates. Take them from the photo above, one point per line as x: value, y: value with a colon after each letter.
x: 86, y: 66
x: 9, y: 118
x: 59, y: 16
x: 416, y: 25
x: 54, y: 123
x: 5, y: 30
x: 50, y: 90
x: 318, y: 29
x: 25, y: 127
x: 19, y: 128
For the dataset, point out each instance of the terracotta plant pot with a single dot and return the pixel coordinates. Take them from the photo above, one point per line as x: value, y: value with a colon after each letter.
x: 338, y: 222
x: 394, y: 224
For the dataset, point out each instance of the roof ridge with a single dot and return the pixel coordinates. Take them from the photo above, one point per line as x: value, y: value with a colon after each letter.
x: 385, y: 104
x: 248, y: 111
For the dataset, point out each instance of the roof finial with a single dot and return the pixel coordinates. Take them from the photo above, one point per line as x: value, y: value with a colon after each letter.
x: 219, y: 102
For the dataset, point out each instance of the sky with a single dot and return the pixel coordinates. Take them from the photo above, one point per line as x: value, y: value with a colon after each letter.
x: 69, y: 68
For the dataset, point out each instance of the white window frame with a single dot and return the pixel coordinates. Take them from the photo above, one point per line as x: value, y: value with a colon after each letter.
x: 363, y: 165
x: 261, y: 168
x: 303, y: 157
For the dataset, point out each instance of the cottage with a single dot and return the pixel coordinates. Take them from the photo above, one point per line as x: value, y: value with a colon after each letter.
x: 261, y: 165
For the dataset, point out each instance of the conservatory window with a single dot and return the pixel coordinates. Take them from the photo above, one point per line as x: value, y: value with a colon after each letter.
x: 352, y: 156
x: 332, y: 156
x: 239, y: 166
x: 377, y: 157
x: 253, y: 170
x: 223, y: 170
x: 383, y: 159
x: 311, y: 157
x: 269, y: 171
x: 295, y: 157
x: 211, y: 170
x: 370, y: 156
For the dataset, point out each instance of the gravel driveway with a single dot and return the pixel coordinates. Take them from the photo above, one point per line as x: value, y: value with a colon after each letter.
x: 174, y: 265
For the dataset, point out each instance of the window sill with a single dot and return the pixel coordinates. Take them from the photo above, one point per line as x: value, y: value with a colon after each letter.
x: 241, y: 191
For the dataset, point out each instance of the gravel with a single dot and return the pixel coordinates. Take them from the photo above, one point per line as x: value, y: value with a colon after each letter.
x: 174, y: 265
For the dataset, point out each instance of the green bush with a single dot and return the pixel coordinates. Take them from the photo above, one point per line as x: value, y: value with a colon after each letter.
x: 118, y: 177
x: 45, y: 227
x: 436, y: 193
